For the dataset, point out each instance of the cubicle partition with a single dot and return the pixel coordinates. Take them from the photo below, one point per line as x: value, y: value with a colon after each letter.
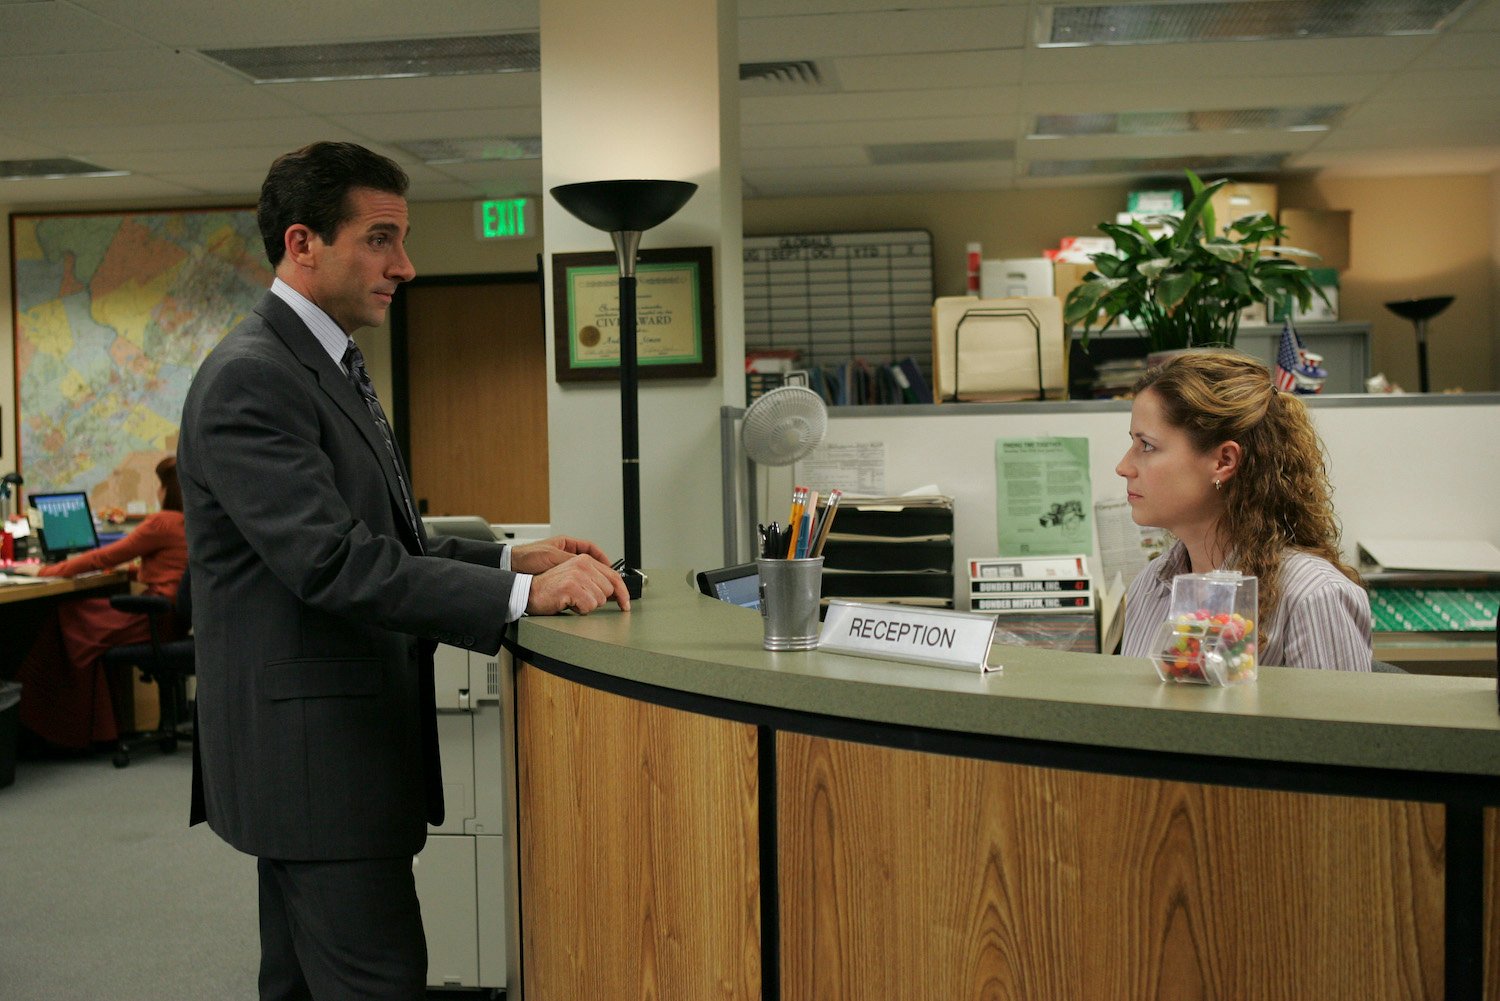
x: 1402, y: 466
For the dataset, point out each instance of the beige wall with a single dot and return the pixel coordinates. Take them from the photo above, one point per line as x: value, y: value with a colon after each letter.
x: 1411, y: 237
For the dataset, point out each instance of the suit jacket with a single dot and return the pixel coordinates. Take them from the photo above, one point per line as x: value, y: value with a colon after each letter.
x: 314, y: 618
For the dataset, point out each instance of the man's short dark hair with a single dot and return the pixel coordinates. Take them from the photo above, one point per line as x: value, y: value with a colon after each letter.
x: 311, y: 186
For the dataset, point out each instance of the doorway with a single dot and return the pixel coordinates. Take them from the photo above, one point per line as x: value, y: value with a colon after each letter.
x: 469, y: 380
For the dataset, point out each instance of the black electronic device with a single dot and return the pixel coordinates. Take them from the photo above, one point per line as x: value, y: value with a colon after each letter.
x: 738, y: 585
x: 67, y: 524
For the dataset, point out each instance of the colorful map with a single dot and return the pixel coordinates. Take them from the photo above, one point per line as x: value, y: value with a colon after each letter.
x: 114, y: 313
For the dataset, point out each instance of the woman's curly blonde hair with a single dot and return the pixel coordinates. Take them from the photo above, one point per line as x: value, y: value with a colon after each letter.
x: 1279, y: 497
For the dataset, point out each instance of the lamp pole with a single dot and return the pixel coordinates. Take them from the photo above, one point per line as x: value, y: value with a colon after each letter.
x: 625, y: 210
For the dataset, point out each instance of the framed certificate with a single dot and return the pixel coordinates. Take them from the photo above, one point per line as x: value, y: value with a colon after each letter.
x: 674, y: 306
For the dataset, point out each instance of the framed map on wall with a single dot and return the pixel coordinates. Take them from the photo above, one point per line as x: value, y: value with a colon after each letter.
x: 113, y: 314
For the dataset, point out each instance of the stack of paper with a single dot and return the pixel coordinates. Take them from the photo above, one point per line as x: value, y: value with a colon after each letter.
x: 891, y: 549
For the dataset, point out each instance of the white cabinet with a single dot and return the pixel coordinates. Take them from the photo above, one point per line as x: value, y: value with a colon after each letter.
x: 461, y: 871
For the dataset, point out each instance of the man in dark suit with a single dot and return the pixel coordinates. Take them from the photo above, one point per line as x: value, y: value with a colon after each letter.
x: 318, y: 600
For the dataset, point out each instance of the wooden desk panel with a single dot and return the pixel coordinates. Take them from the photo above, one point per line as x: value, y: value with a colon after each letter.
x: 62, y: 587
x: 948, y: 878
x: 639, y: 858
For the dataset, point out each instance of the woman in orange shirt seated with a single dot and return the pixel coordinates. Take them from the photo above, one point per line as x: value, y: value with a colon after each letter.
x: 64, y: 697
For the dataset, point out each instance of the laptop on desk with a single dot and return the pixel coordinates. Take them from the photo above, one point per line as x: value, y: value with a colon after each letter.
x: 67, y: 524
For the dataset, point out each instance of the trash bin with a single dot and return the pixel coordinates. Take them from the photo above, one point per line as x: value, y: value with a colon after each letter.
x: 10, y: 728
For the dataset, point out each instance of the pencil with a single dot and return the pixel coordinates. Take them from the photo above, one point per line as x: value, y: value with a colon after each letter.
x: 799, y: 498
x: 833, y: 506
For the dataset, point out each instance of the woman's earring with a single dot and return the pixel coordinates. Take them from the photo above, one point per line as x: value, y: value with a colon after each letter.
x: 1218, y: 485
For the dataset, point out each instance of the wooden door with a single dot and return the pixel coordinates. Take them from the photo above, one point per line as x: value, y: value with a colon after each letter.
x: 475, y: 396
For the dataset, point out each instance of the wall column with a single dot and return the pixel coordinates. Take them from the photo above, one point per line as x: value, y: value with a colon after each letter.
x: 647, y: 89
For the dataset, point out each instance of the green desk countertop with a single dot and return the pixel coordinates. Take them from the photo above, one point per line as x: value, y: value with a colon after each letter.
x: 676, y: 638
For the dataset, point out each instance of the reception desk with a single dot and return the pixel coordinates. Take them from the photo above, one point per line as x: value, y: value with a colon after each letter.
x: 699, y: 818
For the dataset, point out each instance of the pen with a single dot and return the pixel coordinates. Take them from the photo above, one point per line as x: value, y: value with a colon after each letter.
x: 833, y: 505
x: 805, y: 530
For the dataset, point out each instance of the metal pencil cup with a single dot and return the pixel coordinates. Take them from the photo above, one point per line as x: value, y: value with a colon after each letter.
x: 789, y: 593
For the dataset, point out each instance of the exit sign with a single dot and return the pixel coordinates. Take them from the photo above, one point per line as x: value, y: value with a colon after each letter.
x: 504, y: 218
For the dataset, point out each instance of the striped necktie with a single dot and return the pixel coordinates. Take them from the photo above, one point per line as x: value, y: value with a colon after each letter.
x: 354, y: 364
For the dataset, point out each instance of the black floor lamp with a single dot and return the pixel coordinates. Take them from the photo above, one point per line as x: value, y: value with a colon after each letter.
x: 1419, y: 311
x: 624, y: 210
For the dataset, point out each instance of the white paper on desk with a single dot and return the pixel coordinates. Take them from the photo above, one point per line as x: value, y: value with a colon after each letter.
x: 1470, y: 555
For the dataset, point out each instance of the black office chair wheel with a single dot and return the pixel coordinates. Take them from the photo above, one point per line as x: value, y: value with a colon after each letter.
x: 167, y: 744
x: 121, y: 759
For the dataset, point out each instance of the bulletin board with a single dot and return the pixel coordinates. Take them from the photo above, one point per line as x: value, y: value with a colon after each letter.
x: 838, y: 296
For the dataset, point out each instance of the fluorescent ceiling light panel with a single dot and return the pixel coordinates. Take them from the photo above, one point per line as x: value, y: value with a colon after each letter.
x: 890, y: 154
x: 514, y: 53
x: 52, y: 170
x: 437, y: 151
x: 1240, y: 20
x: 1171, y: 166
x: 1137, y: 123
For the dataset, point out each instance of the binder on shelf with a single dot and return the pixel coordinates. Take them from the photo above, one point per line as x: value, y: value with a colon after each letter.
x: 1030, y: 585
x: 1022, y: 567
x: 1035, y: 603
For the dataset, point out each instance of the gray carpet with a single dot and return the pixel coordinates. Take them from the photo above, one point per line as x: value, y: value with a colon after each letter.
x: 106, y: 895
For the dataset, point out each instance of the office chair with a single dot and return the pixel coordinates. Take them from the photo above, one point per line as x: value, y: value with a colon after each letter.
x: 166, y: 659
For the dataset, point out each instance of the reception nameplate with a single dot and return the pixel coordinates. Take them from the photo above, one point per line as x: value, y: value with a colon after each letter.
x: 935, y: 636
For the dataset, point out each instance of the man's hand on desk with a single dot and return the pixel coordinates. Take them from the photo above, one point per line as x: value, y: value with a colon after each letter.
x: 582, y: 583
x: 539, y: 557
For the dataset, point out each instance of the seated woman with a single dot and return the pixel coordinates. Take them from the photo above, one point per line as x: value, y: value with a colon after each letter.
x: 1234, y: 470
x: 64, y: 697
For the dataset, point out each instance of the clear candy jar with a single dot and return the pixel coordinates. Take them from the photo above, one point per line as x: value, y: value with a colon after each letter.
x: 1209, y: 637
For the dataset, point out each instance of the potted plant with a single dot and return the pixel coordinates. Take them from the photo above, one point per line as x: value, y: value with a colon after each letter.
x: 1186, y: 287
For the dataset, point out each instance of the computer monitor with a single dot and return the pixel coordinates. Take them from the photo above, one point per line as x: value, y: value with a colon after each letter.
x: 67, y: 524
x: 738, y: 585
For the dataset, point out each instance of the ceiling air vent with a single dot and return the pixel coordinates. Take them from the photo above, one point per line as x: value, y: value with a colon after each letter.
x: 53, y: 169
x: 1137, y: 123
x: 439, y: 151
x: 513, y: 53
x: 788, y: 76
x: 1172, y: 166
x: 971, y: 151
x: 1239, y: 20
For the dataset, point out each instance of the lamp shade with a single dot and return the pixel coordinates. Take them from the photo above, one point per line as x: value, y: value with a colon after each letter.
x: 1420, y: 309
x: 624, y: 206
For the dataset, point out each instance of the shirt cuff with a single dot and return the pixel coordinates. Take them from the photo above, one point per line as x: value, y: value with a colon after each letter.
x: 520, y: 593
x: 505, y: 558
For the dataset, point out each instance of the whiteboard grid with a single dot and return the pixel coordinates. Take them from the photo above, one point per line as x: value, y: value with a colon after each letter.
x: 836, y: 297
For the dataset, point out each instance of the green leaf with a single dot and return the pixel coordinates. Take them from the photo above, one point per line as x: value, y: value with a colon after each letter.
x: 1154, y: 267
x: 1174, y: 288
x: 1230, y: 253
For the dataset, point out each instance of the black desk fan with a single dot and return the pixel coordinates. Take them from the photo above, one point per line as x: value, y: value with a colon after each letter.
x: 780, y: 428
x: 1419, y: 311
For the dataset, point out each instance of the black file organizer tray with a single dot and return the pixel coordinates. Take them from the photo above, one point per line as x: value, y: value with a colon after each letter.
x: 998, y: 313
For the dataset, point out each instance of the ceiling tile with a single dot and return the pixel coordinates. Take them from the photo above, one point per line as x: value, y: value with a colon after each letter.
x: 1109, y: 64
x: 1398, y: 114
x: 939, y: 70
x: 1457, y: 160
x: 102, y: 72
x: 437, y: 93
x: 888, y: 104
x: 471, y: 124
x: 1191, y: 144
x: 1412, y: 137
x: 288, y: 22
x: 821, y: 35
x: 1171, y: 94
x: 878, y: 180
x: 808, y: 156
x: 97, y: 141
x: 46, y: 28
x: 148, y: 107
x: 876, y: 131
x: 73, y: 192
x: 1461, y: 50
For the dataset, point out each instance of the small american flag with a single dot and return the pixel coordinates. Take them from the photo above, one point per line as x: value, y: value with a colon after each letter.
x: 1286, y: 358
